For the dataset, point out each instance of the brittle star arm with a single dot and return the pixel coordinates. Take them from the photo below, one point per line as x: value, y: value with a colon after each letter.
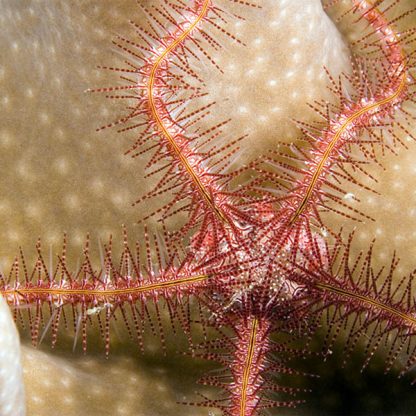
x: 168, y: 90
x: 318, y: 185
x: 124, y: 287
x: 373, y: 305
x: 248, y: 357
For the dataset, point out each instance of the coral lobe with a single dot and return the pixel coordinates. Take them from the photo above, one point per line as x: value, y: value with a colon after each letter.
x: 250, y: 257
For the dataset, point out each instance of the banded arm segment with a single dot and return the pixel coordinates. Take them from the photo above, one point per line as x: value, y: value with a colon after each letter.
x: 137, y: 288
x: 376, y: 307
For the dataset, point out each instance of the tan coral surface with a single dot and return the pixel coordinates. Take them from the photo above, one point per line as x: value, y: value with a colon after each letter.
x: 59, y: 175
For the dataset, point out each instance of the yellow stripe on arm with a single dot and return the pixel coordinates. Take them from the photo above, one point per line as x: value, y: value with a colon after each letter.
x: 247, y: 368
x: 105, y: 293
x: 411, y: 320
x: 151, y: 86
x: 312, y: 185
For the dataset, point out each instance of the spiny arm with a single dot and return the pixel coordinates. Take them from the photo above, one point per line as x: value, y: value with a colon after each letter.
x: 247, y: 358
x: 167, y: 89
x: 52, y: 296
x: 375, y: 306
x: 381, y: 83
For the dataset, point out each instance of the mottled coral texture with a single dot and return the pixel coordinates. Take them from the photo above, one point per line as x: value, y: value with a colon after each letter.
x: 60, y: 175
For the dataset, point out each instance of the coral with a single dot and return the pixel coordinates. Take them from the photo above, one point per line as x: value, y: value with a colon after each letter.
x: 254, y: 257
x: 11, y: 384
